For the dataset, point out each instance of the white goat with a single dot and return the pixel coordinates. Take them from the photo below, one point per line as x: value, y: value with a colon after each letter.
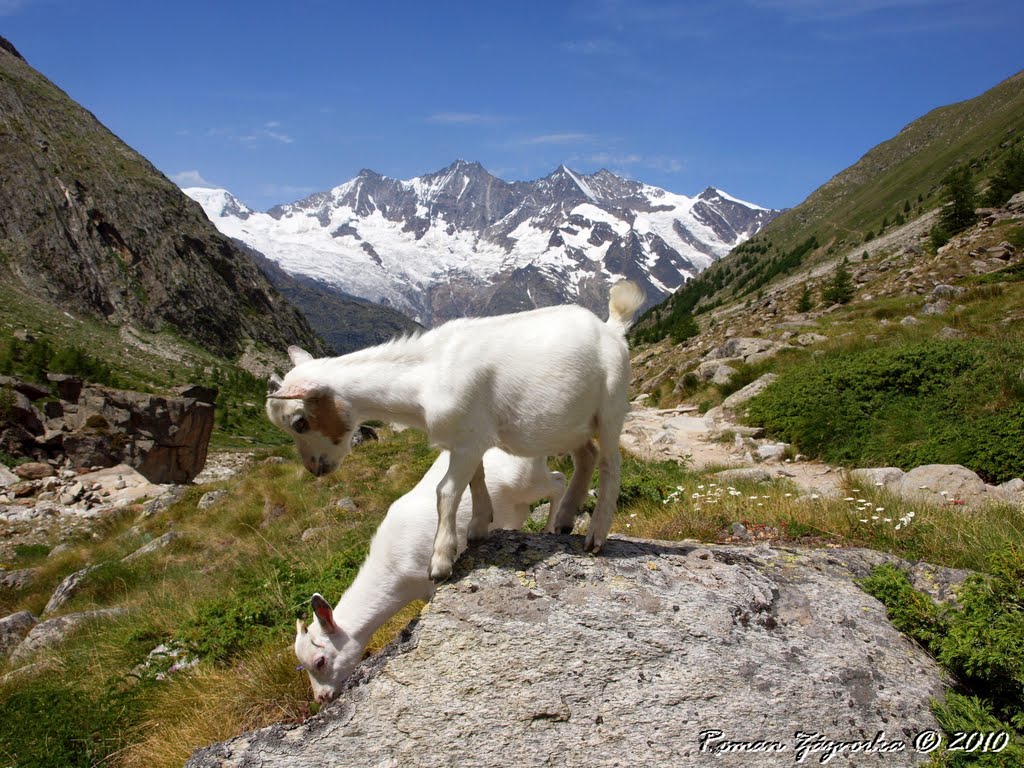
x: 537, y: 383
x: 395, y: 571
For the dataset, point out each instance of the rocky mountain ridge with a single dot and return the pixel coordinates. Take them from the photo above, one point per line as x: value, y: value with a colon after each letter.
x: 91, y: 227
x: 462, y: 241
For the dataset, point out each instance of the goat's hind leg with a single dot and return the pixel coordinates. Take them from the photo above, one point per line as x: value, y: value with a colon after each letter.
x: 461, y: 469
x: 483, y: 510
x: 562, y: 519
x: 609, y: 476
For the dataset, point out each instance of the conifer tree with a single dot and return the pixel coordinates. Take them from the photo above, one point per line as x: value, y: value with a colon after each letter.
x: 806, y: 302
x: 839, y: 290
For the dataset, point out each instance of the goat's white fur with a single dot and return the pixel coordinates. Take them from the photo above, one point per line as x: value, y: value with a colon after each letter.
x: 395, y: 571
x: 537, y: 383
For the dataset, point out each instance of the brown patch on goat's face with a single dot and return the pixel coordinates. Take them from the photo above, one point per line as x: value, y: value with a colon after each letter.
x: 328, y: 417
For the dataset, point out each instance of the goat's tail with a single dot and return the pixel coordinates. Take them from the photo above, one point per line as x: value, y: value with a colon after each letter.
x: 625, y: 299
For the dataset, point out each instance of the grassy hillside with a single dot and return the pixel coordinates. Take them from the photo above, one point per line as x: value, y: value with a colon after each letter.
x: 897, y: 181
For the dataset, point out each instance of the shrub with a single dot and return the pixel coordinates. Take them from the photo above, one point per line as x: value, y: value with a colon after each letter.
x: 904, y: 405
x: 980, y: 643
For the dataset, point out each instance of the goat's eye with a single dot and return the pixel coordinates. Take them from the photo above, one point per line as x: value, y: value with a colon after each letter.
x: 320, y: 662
x: 300, y: 425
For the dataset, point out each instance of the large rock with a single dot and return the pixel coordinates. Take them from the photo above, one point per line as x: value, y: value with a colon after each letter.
x: 50, y: 633
x: 876, y: 476
x: 164, y: 438
x: 535, y: 654
x: 754, y: 388
x: 945, y: 484
x: 13, y: 629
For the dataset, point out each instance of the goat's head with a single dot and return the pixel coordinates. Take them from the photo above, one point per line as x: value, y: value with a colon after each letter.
x: 325, y: 651
x: 308, y: 410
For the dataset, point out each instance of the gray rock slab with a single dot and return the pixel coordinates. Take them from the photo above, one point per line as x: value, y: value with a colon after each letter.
x: 13, y: 629
x: 535, y: 654
x: 743, y: 475
x: 7, y: 477
x: 754, y: 388
x: 66, y: 590
x: 944, y: 484
x: 876, y: 476
x: 153, y: 546
x: 50, y: 633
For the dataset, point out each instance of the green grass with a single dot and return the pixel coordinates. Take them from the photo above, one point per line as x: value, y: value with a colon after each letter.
x: 980, y: 643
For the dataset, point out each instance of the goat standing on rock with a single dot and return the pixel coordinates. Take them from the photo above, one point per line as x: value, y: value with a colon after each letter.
x: 395, y: 571
x: 537, y: 383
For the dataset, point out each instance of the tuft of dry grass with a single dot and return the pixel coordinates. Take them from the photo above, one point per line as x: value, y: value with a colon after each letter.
x: 213, y: 703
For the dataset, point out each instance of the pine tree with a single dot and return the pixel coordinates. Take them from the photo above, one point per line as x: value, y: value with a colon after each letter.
x: 958, y: 212
x: 806, y: 302
x: 839, y: 290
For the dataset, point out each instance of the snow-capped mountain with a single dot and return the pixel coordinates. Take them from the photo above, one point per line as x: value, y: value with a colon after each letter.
x: 463, y: 242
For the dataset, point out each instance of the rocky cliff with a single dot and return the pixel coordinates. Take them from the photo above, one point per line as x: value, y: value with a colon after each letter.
x: 91, y: 226
x: 653, y: 654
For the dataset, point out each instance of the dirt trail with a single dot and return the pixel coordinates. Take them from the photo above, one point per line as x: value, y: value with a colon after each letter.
x: 683, y: 435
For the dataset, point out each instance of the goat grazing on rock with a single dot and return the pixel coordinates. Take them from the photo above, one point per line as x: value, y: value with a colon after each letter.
x: 537, y: 383
x: 395, y: 571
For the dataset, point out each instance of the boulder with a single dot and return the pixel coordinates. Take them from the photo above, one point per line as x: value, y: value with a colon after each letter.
x: 50, y: 633
x: 29, y: 389
x: 876, y: 476
x: 754, y: 388
x: 66, y: 590
x: 34, y: 470
x: 164, y: 438
x: 741, y: 348
x: 807, y: 339
x: 771, y: 451
x: 18, y: 411
x: 652, y: 654
x: 68, y: 387
x: 945, y: 484
x: 13, y: 629
x: 709, y: 368
x: 154, y: 546
x: 7, y: 477
x: 945, y: 291
x: 18, y: 579
x: 723, y: 374
x: 743, y: 475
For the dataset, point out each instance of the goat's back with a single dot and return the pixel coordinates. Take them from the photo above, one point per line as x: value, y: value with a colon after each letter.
x: 540, y: 381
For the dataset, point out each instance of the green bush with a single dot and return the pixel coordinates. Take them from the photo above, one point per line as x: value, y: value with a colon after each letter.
x: 945, y: 402
x: 264, y: 603
x: 981, y: 644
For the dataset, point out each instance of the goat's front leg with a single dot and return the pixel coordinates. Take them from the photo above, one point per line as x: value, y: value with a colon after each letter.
x: 483, y: 510
x: 461, y: 469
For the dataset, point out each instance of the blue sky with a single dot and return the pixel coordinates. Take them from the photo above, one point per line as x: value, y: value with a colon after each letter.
x: 766, y: 99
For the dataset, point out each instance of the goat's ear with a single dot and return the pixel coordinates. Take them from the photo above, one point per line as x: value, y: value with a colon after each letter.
x: 300, y: 627
x: 324, y: 614
x: 298, y: 355
x: 274, y: 384
x: 298, y: 390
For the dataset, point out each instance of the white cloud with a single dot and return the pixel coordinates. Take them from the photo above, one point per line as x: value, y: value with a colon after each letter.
x: 191, y: 179
x: 462, y: 118
x: 559, y: 138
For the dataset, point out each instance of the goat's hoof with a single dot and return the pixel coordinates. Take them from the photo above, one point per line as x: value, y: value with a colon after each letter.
x: 564, y: 529
x: 440, y: 573
x: 476, y: 538
x: 593, y: 546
